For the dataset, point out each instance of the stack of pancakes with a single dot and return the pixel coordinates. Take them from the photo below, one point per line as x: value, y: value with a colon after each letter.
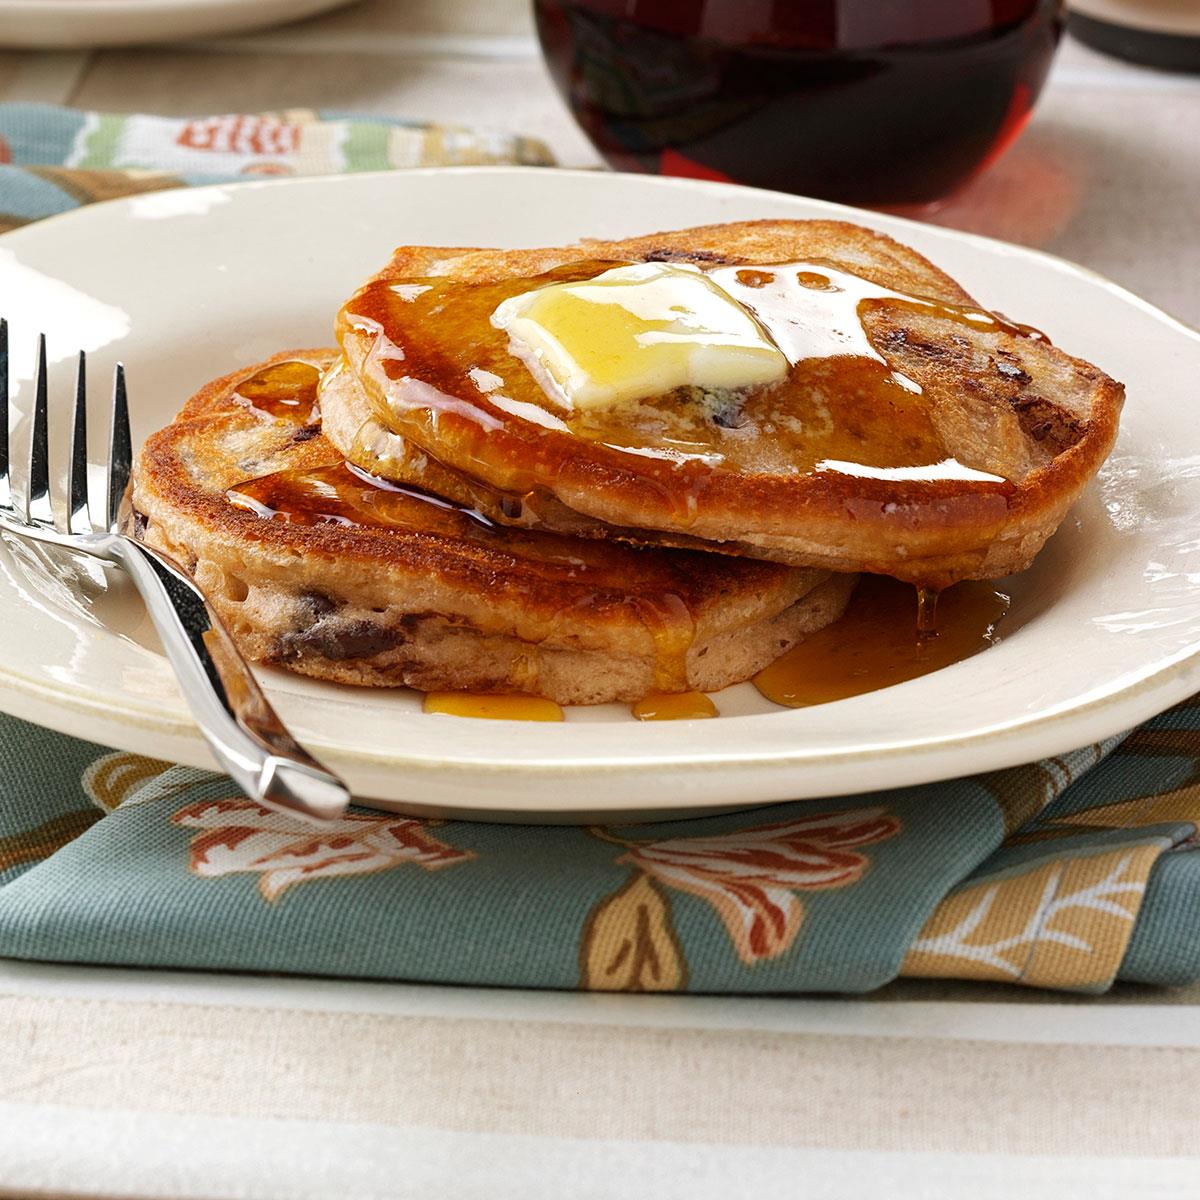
x: 416, y: 508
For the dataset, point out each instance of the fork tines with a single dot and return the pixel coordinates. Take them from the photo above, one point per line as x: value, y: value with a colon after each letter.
x: 120, y: 449
x: 37, y: 507
x: 79, y: 519
x: 37, y: 489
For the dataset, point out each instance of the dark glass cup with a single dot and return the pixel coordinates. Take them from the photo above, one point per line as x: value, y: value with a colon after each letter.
x: 878, y: 102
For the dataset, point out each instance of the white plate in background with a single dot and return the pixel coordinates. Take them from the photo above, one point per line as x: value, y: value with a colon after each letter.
x: 1104, y: 629
x: 76, y: 23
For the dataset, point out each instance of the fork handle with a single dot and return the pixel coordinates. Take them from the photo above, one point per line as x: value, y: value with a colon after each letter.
x: 243, y: 731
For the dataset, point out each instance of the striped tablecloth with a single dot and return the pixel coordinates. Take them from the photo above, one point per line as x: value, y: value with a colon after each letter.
x: 153, y: 1084
x: 164, y: 1085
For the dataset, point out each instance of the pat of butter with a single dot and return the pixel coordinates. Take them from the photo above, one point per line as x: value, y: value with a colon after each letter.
x: 638, y: 331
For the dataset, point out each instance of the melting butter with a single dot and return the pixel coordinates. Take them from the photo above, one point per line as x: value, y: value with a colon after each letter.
x: 638, y: 331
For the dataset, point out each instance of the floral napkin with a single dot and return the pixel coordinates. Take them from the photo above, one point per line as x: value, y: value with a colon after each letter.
x: 55, y: 159
x: 1069, y: 873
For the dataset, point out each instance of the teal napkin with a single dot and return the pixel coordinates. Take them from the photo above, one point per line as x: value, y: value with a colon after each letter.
x: 1069, y: 873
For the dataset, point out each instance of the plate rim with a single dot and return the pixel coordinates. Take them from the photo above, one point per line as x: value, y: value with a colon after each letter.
x: 1058, y: 261
x: 93, y: 8
x: 41, y: 24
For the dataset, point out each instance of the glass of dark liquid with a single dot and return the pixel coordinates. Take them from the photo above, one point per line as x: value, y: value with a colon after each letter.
x: 876, y: 102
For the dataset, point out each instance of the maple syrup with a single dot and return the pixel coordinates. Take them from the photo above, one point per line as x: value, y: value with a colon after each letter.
x: 340, y: 493
x: 674, y: 706
x: 658, y: 591
x: 867, y: 101
x: 286, y: 391
x: 876, y: 643
x: 843, y: 409
x: 927, y: 607
x: 492, y: 708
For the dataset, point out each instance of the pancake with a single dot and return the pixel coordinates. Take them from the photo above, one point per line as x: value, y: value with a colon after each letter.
x: 948, y: 443
x: 348, y: 420
x: 316, y: 567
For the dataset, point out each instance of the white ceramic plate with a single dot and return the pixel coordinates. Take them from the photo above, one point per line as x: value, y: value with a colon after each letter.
x: 48, y: 23
x: 185, y: 285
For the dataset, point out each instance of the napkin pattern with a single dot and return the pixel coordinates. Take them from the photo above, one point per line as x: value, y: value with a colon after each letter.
x: 55, y: 159
x: 1069, y: 873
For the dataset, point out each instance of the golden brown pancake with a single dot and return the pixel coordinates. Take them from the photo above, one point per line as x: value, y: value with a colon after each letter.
x: 348, y: 420
x: 316, y: 567
x: 947, y: 445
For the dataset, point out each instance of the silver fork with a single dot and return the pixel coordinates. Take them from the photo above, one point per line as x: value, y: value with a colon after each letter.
x: 244, y: 732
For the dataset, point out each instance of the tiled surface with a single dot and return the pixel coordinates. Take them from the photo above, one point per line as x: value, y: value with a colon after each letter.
x: 166, y: 1084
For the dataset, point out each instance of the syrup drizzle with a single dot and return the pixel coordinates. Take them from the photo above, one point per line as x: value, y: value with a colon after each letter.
x: 492, y: 708
x: 286, y: 391
x: 674, y: 706
x: 342, y: 494
x: 846, y: 406
x: 875, y: 644
x: 927, y: 606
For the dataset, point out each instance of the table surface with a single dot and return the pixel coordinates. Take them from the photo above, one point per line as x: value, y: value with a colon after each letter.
x: 155, y: 1084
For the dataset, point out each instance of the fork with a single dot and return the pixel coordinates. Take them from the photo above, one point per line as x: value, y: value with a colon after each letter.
x: 245, y: 734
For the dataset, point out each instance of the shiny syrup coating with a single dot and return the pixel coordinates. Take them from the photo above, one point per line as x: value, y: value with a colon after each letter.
x: 843, y: 408
x: 492, y: 708
x: 285, y: 391
x: 678, y: 706
x: 657, y: 593
x: 658, y: 589
x: 877, y: 643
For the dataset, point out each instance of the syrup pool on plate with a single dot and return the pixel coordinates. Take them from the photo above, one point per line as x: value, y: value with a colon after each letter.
x: 674, y: 706
x: 876, y: 642
x: 889, y: 633
x: 494, y: 708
